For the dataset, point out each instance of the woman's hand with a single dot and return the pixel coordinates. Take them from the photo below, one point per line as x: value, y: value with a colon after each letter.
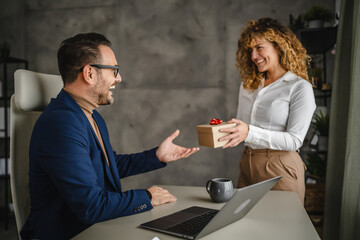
x: 237, y: 133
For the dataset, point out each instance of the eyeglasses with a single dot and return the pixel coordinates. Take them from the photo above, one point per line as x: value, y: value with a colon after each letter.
x: 115, y: 68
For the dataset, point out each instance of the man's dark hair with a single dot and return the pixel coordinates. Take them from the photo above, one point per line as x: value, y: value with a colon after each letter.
x: 76, y: 52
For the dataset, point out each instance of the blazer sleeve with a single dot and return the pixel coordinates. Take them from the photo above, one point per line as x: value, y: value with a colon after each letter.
x: 60, y: 148
x: 132, y: 164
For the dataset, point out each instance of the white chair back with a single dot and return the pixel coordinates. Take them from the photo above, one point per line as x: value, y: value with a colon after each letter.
x: 33, y: 92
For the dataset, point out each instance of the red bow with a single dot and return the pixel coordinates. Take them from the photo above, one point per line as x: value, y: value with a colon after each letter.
x: 215, y: 121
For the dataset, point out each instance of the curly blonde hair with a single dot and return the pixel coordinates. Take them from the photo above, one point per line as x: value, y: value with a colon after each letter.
x: 292, y: 54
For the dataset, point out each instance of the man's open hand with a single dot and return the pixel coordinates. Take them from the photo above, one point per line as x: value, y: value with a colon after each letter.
x: 168, y: 151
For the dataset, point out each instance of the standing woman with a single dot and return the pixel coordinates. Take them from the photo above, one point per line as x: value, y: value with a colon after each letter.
x: 275, y: 108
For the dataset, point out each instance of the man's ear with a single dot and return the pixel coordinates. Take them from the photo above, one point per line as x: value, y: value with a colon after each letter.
x: 89, y: 74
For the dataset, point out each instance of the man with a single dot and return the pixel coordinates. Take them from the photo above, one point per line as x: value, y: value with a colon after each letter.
x: 74, y: 173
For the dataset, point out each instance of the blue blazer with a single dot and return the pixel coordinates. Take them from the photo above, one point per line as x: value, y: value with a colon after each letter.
x: 71, y: 184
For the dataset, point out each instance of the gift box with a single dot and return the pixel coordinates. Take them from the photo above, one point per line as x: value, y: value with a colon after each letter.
x: 209, y: 134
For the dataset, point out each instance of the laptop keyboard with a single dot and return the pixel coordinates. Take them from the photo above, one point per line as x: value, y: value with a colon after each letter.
x: 194, y: 226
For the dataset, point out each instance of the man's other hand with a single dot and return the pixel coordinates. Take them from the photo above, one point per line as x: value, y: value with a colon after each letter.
x: 160, y: 196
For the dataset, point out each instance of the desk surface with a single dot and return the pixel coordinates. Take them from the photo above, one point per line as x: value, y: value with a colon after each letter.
x: 279, y: 215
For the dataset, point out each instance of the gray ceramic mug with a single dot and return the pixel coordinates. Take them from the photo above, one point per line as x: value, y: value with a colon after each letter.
x: 220, y: 189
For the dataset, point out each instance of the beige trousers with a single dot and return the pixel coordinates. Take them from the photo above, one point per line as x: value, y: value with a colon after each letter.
x: 257, y: 165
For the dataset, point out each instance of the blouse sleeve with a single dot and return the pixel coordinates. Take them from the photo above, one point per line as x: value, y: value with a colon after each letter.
x: 302, y: 107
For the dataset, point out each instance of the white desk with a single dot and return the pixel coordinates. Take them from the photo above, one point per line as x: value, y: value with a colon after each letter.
x: 279, y: 215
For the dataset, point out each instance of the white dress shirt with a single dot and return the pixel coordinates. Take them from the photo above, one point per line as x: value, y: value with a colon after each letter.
x: 279, y: 114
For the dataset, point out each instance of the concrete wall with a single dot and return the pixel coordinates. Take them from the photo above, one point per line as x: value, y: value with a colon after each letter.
x: 177, y: 61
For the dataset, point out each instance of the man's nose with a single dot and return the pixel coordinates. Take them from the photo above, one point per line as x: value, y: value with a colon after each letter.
x: 118, y: 78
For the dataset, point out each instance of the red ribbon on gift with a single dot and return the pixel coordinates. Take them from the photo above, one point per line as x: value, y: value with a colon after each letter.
x: 215, y: 121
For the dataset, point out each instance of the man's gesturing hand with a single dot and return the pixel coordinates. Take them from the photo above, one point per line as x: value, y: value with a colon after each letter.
x: 168, y: 151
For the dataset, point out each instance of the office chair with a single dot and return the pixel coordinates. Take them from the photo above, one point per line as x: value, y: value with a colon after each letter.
x: 33, y: 92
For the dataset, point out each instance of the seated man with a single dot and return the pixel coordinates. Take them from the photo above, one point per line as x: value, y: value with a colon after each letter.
x: 74, y: 173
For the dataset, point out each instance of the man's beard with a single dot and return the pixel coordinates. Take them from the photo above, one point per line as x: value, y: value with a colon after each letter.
x: 105, y: 99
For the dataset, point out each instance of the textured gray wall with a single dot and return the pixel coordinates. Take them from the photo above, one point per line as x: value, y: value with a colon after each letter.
x: 177, y: 61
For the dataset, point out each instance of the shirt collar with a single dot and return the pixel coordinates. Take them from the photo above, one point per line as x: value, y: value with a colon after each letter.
x: 288, y: 76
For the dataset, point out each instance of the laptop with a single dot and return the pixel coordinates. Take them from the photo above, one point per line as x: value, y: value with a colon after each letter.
x: 196, y: 222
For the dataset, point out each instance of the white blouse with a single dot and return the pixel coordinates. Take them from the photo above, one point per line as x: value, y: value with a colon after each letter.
x: 279, y: 114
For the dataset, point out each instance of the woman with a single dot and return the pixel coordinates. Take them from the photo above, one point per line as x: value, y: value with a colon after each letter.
x: 276, y: 104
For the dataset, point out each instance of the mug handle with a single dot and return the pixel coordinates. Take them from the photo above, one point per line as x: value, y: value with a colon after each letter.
x: 208, y: 186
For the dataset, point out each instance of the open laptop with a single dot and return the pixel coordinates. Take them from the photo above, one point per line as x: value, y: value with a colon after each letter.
x: 196, y: 222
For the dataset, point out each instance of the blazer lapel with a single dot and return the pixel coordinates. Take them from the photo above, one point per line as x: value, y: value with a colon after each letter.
x: 111, y: 171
